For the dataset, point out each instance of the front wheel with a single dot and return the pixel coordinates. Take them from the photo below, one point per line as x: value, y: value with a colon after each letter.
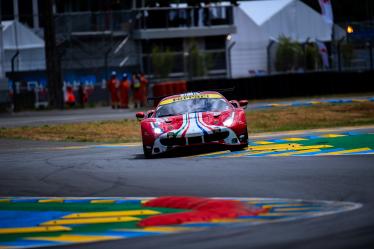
x: 147, y: 152
x: 239, y: 147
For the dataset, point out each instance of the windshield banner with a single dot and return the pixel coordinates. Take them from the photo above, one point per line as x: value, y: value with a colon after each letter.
x: 191, y: 96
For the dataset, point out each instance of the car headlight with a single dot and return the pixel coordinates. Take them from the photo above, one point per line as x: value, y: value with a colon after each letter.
x: 229, y: 120
x: 157, y: 130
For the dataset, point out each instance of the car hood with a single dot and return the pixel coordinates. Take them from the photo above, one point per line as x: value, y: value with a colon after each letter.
x: 195, y: 121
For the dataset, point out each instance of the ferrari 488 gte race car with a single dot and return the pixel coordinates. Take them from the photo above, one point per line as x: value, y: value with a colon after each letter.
x: 194, y: 119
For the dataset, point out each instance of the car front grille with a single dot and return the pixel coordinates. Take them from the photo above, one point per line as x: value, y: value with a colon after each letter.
x: 195, y: 140
x: 216, y: 136
x: 173, y: 141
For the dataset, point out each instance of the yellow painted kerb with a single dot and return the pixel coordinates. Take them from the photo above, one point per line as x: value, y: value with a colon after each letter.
x: 111, y: 214
x: 90, y: 221
x: 103, y: 201
x: 33, y: 229
x: 51, y: 201
x: 74, y: 238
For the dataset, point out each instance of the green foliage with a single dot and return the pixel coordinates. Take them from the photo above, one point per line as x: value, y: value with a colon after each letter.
x: 162, y: 62
x: 198, y: 63
x: 313, y: 59
x: 289, y: 55
x: 347, y: 54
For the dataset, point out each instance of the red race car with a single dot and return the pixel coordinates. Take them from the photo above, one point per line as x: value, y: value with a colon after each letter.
x: 193, y: 119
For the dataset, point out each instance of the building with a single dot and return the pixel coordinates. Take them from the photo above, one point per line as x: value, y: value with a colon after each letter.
x: 23, y: 49
x: 186, y: 40
x: 94, y: 37
x: 270, y: 20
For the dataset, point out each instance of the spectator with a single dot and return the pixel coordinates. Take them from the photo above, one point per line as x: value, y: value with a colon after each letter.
x: 234, y: 2
x: 70, y: 97
x: 195, y: 4
x: 207, y: 10
x: 82, y: 95
x: 144, y: 89
x: 124, y: 88
x: 113, y: 89
x: 136, y: 88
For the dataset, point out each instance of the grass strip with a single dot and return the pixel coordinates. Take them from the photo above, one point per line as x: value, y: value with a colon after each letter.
x: 310, y: 117
x: 261, y: 120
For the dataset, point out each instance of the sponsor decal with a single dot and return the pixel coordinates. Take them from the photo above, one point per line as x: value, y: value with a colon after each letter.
x: 189, y: 97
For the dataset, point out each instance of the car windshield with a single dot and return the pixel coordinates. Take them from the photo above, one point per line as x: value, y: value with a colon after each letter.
x: 192, y: 105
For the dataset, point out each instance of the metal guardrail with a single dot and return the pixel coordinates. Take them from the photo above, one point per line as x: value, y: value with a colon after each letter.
x: 93, y: 21
x: 145, y: 18
x: 149, y: 18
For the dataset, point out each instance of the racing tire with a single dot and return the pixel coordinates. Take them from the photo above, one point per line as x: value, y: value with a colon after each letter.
x: 238, y: 147
x: 147, y: 152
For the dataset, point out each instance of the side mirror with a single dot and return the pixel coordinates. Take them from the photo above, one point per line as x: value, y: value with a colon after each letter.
x: 150, y: 113
x: 139, y: 115
x: 235, y: 103
x: 243, y: 103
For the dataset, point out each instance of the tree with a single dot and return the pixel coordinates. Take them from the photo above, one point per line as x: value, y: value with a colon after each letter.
x: 198, y: 63
x: 289, y: 55
x: 347, y: 54
x: 162, y: 62
x: 312, y: 57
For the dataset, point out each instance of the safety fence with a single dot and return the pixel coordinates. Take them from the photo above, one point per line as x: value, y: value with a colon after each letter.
x: 290, y: 85
x: 274, y: 86
x: 347, y: 54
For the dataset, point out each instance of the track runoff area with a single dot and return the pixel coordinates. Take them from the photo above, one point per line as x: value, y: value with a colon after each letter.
x: 31, y: 222
x: 39, y: 222
x: 48, y: 221
x: 320, y: 142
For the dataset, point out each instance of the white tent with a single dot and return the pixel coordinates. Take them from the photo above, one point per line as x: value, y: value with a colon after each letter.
x: 17, y: 36
x: 259, y: 22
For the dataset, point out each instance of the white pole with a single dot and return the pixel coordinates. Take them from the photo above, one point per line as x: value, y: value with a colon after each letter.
x: 123, y: 43
x: 35, y: 14
x: 15, y: 10
x: 2, y: 71
x: 123, y: 62
x: 54, y: 8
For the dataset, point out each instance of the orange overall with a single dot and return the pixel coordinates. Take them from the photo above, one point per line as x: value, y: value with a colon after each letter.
x: 143, y: 89
x: 137, y: 91
x: 112, y: 87
x: 124, y: 93
x: 70, y: 97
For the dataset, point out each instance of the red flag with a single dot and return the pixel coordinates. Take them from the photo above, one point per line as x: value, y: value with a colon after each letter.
x: 326, y: 9
x: 324, y: 54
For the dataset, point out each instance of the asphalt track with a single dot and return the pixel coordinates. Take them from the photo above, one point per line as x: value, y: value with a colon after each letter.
x: 65, y: 169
